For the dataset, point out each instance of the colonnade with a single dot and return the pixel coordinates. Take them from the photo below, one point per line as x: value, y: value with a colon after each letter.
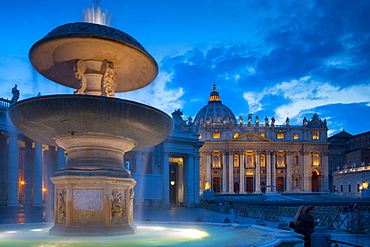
x: 29, y: 166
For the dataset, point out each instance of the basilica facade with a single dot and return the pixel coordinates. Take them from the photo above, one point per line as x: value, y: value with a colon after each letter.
x: 240, y: 157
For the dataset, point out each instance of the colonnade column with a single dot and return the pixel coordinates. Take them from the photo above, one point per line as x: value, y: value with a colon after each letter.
x: 325, y: 165
x: 61, y: 160
x: 242, y: 173
x: 196, y: 178
x: 289, y: 172
x: 166, y: 178
x: 28, y: 178
x: 268, y: 171
x: 3, y: 155
x: 257, y: 180
x: 139, y: 164
x: 231, y: 173
x: 190, y: 179
x: 37, y: 173
x: 273, y: 171
x: 13, y: 166
x: 224, y: 173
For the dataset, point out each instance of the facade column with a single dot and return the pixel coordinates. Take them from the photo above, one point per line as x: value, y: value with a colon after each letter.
x: 268, y: 171
x: 208, y: 166
x: 28, y: 178
x: 61, y: 160
x: 289, y: 172
x: 242, y: 172
x: 196, y: 178
x: 231, y: 173
x: 224, y: 173
x: 13, y: 167
x: 325, y: 165
x: 3, y: 167
x: 139, y: 163
x: 190, y: 180
x: 306, y: 171
x: 273, y: 171
x: 166, y: 179
x: 37, y: 173
x: 257, y: 175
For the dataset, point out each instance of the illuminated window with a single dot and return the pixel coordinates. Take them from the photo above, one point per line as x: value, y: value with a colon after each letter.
x: 216, y: 135
x: 262, y: 171
x: 263, y: 160
x: 280, y: 136
x: 315, y: 135
x: 280, y: 171
x: 236, y: 135
x: 316, y: 159
x: 216, y: 171
x: 236, y: 160
x: 216, y: 159
x: 236, y: 171
x: 296, y: 137
x: 263, y: 134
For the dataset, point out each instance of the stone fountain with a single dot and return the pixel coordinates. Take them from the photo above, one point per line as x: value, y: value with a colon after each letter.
x: 93, y: 193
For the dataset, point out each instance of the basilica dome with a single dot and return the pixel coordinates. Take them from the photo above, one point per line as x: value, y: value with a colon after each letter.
x: 215, y: 112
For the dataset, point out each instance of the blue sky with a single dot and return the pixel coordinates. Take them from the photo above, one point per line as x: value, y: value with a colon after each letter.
x: 267, y: 57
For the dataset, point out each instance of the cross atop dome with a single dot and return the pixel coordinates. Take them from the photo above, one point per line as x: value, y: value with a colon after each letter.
x: 214, y: 96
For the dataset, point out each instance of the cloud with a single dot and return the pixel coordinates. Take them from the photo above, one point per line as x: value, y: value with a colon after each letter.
x: 304, y: 94
x: 158, y: 95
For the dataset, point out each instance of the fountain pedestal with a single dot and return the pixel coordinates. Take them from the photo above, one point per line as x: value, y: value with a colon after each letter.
x: 91, y: 206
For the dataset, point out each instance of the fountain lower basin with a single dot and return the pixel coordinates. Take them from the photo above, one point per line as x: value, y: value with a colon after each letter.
x: 147, y: 234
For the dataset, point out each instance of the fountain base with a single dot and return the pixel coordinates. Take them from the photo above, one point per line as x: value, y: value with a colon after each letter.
x: 93, y: 206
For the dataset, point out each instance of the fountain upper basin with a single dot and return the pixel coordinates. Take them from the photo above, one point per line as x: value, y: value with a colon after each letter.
x: 56, y: 54
x: 47, y: 118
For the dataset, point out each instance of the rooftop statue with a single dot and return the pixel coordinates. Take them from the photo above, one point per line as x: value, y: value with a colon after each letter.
x: 15, y: 93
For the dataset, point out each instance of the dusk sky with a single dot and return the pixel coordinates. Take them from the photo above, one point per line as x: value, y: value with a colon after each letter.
x: 267, y: 57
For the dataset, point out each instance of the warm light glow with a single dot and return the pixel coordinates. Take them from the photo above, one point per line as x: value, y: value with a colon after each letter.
x: 172, y: 182
x: 43, y: 189
x: 216, y: 135
x: 193, y: 233
x: 22, y: 182
x: 280, y: 136
x: 236, y: 135
x: 365, y: 185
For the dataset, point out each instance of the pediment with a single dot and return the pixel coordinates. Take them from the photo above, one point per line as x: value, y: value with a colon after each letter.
x: 250, y: 136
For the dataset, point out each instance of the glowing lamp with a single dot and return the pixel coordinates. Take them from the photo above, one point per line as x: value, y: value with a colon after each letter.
x: 365, y: 185
x: 22, y: 182
x: 172, y: 182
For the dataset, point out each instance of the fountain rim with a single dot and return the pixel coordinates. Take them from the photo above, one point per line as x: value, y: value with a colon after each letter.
x: 131, y: 102
x: 133, y: 43
x: 107, y: 100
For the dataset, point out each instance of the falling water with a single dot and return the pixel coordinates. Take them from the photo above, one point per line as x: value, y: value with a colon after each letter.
x: 95, y: 15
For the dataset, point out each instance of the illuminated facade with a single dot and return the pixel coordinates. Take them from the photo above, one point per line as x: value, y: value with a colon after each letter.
x: 349, y: 164
x: 260, y: 157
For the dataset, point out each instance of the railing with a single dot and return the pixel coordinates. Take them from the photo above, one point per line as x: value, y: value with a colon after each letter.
x: 330, y: 217
x: 336, y: 242
x: 4, y: 103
